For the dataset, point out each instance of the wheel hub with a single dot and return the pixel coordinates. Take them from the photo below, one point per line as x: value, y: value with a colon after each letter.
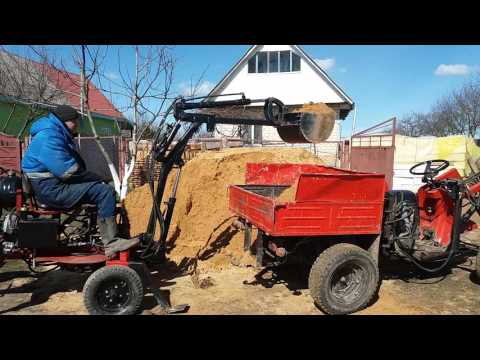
x: 346, y: 284
x: 113, y: 295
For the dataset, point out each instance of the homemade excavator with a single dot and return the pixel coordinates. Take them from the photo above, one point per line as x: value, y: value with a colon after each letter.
x: 69, y: 239
x: 342, y: 221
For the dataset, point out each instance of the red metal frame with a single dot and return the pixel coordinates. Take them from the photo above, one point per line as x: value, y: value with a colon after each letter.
x: 436, y: 209
x: 122, y: 260
x: 329, y: 201
x: 88, y: 259
x: 10, y: 152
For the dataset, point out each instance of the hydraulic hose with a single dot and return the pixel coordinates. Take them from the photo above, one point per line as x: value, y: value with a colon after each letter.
x: 452, y: 245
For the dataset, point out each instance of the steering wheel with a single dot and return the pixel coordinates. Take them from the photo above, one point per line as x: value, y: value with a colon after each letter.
x: 432, y: 167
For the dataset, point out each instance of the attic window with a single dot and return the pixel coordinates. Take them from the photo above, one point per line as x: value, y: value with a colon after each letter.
x: 273, y: 62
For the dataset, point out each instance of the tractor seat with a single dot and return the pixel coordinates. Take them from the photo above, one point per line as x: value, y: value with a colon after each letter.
x: 28, y: 191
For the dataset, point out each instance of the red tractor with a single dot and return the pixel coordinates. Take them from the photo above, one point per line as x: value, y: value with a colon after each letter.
x: 69, y: 239
x: 345, y: 220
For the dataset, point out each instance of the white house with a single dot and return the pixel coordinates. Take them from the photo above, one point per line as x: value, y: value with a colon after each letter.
x: 287, y: 73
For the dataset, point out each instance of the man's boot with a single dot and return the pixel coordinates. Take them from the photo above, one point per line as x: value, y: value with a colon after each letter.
x: 113, y: 244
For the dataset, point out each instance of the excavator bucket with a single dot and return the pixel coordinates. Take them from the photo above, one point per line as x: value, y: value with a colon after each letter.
x: 314, y: 123
x: 308, y: 123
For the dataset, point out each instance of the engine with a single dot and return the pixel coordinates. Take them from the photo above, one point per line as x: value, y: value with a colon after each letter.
x: 401, y: 220
x: 8, y: 189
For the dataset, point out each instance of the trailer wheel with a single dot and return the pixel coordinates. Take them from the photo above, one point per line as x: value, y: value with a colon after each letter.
x: 113, y: 290
x: 343, y: 279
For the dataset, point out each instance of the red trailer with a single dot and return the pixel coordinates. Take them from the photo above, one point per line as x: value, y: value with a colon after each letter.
x: 328, y: 201
x: 341, y: 221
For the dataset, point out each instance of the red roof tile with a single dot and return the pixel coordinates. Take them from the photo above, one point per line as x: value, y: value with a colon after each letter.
x: 69, y: 83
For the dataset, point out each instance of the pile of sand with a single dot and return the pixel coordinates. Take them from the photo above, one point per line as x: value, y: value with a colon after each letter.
x: 201, y: 231
x: 288, y: 195
x: 320, y: 109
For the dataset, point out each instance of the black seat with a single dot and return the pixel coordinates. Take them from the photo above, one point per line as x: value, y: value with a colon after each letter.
x: 26, y: 186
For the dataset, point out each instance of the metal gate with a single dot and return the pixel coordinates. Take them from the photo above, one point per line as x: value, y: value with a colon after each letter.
x: 10, y: 152
x: 372, y: 150
x: 91, y: 153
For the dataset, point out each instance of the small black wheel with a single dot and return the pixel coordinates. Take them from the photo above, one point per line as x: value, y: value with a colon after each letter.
x: 113, y: 290
x: 343, y: 279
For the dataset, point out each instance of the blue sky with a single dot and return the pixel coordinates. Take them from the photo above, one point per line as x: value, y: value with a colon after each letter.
x: 383, y: 81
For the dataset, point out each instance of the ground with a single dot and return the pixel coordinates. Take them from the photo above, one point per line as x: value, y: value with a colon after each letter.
x: 245, y: 290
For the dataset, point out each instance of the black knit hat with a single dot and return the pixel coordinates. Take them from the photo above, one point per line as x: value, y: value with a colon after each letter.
x: 65, y: 113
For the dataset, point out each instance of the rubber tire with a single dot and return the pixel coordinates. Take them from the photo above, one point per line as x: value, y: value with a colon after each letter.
x: 127, y: 274
x: 324, y: 267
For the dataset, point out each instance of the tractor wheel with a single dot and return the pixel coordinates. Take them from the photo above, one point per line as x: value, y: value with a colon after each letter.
x: 113, y: 290
x: 343, y: 279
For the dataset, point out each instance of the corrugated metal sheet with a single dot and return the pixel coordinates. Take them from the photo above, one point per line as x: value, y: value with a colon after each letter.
x: 14, y: 116
x: 10, y: 152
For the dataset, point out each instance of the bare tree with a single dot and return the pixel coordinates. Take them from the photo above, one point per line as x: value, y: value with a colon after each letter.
x: 457, y: 113
x: 466, y: 104
x: 89, y: 61
x: 408, y: 125
x: 146, y: 92
x: 27, y: 80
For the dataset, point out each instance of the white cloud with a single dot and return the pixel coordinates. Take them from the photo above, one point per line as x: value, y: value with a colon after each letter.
x: 455, y: 69
x: 326, y: 64
x: 203, y: 88
x: 111, y: 75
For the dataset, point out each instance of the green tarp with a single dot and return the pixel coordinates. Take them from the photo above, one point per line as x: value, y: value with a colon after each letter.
x: 16, y: 119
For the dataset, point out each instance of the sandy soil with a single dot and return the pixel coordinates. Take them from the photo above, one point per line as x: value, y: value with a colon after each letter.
x: 245, y: 290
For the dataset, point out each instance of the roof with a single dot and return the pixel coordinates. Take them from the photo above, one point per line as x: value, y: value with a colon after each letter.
x: 68, y: 83
x: 252, y: 50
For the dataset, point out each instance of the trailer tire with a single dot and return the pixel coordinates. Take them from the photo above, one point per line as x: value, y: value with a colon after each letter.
x: 343, y: 279
x: 113, y: 290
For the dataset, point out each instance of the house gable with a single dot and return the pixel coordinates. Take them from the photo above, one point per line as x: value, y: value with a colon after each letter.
x: 310, y: 84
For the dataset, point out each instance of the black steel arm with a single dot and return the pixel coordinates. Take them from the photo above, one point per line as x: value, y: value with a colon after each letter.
x: 170, y: 157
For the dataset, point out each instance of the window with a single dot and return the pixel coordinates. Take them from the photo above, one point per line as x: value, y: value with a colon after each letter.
x: 262, y: 61
x: 284, y: 61
x: 295, y: 62
x: 252, y: 65
x: 273, y: 62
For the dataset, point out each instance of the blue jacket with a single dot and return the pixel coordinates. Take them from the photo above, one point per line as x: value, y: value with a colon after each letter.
x: 52, y: 149
x: 56, y: 170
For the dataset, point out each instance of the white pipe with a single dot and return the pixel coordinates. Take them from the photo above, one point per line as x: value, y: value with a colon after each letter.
x: 354, y: 123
